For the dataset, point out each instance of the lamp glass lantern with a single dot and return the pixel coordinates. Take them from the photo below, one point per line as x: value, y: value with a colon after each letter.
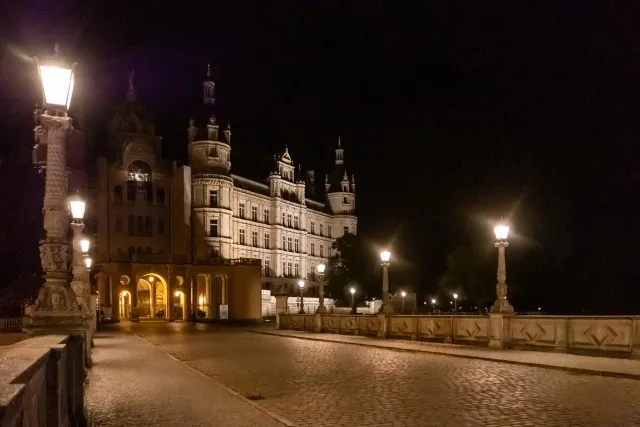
x: 455, y: 296
x: 77, y: 206
x: 84, y: 245
x: 88, y: 261
x: 385, y: 256
x: 502, y: 231
x: 57, y: 77
x: 321, y: 268
x: 352, y: 290
x: 403, y: 293
x: 301, y: 284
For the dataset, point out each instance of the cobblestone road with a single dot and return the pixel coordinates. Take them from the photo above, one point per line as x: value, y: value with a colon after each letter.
x: 330, y: 384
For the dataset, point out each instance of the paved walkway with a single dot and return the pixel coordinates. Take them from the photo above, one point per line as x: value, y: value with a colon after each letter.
x: 604, y: 366
x: 132, y: 383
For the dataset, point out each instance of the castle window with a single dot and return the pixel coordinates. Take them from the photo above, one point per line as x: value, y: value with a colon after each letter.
x: 254, y: 238
x: 213, y: 228
x: 284, y: 264
x: 254, y: 213
x: 296, y: 269
x: 346, y: 230
x: 241, y: 210
x: 322, y: 229
x: 148, y: 227
x: 313, y: 249
x: 118, y: 225
x: 139, y: 226
x: 322, y: 250
x: 266, y: 216
x: 345, y: 201
x: 160, y: 225
x: 266, y: 240
x: 284, y: 246
x: 328, y: 231
x: 313, y: 227
x: 296, y: 244
x: 283, y: 218
x: 117, y: 193
x: 288, y: 220
x: 160, y: 196
x: 139, y: 172
x: 266, y: 268
x: 213, y: 199
x: 289, y: 244
x: 289, y: 269
x: 242, y: 236
x: 296, y: 223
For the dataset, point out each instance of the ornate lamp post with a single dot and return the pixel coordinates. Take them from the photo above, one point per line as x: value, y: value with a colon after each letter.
x: 501, y: 305
x: 433, y: 304
x: 352, y: 291
x: 386, y: 307
x: 403, y: 294
x: 455, y: 303
x: 301, y: 284
x: 56, y: 309
x: 321, y: 308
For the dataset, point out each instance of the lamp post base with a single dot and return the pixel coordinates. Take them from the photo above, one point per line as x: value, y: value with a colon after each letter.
x: 502, y: 306
x: 386, y: 308
x: 56, y: 312
x: 322, y: 310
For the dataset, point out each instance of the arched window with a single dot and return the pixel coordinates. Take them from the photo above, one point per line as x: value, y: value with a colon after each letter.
x: 117, y: 193
x: 131, y: 225
x: 148, y: 228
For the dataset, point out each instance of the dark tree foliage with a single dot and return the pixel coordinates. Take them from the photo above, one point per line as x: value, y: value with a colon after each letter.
x: 353, y: 264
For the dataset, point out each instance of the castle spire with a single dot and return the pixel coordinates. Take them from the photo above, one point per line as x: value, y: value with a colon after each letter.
x: 208, y: 89
x: 339, y: 153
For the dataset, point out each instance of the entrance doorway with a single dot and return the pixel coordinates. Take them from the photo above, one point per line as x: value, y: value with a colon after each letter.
x: 144, y: 298
x: 124, y: 305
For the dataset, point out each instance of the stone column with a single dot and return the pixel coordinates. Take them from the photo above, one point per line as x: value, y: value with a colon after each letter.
x: 56, y: 309
x: 501, y: 305
x: 321, y: 308
x: 81, y: 287
x: 386, y: 307
x: 281, y: 306
x: 499, y: 329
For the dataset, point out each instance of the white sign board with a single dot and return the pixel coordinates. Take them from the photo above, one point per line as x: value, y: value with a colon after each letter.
x: 224, y: 311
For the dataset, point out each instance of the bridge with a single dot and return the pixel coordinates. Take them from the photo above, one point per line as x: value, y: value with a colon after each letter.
x: 175, y: 373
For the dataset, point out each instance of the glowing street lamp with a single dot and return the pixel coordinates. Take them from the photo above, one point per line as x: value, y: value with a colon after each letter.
x: 433, y: 304
x: 84, y: 246
x: 321, y: 308
x: 403, y: 294
x: 386, y: 307
x: 301, y: 284
x: 88, y: 261
x: 455, y: 303
x: 502, y: 304
x: 56, y: 306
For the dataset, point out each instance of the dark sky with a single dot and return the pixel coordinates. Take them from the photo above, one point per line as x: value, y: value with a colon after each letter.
x: 452, y: 115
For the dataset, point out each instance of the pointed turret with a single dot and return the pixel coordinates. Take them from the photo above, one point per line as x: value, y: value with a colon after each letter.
x: 208, y: 89
x: 340, y: 192
x: 131, y: 90
x: 227, y: 133
x: 339, y: 153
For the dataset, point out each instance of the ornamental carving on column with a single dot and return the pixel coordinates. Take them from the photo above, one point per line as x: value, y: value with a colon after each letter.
x: 54, y: 256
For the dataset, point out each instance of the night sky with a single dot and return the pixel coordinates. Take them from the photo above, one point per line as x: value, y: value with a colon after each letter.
x: 451, y: 117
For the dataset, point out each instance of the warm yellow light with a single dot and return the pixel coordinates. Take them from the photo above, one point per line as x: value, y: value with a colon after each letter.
x: 84, y: 245
x: 385, y: 256
x: 352, y: 290
x: 403, y: 293
x: 77, y: 206
x: 321, y: 268
x: 301, y: 283
x: 502, y: 231
x: 151, y: 279
x: 57, y: 84
x: 455, y: 296
x: 88, y: 262
x: 177, y: 294
x: 201, y: 300
x: 433, y: 300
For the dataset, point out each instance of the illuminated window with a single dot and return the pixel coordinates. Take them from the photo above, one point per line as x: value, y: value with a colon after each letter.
x: 254, y: 213
x: 296, y: 244
x: 254, y: 238
x: 313, y: 249
x: 295, y: 222
x: 322, y: 250
x: 213, y: 228
x: 242, y: 236
x: 213, y: 199
x: 322, y: 229
x: 266, y: 240
x: 241, y: 210
x: 266, y: 216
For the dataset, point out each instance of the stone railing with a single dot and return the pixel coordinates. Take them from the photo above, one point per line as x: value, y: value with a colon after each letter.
x: 11, y: 324
x: 42, y: 382
x: 594, y: 335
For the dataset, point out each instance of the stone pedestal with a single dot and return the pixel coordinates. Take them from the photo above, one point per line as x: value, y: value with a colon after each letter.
x: 499, y: 330
x: 281, y: 306
x: 318, y: 323
x: 382, y: 326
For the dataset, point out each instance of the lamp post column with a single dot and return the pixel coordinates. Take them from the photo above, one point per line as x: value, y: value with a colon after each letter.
x: 386, y: 307
x: 321, y: 308
x: 80, y: 286
x: 56, y: 308
x: 502, y: 304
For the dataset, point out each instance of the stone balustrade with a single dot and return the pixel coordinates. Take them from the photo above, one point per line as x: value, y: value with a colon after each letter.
x: 11, y: 324
x: 42, y: 382
x: 591, y: 335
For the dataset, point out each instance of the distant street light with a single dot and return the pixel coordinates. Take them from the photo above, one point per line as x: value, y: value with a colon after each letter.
x: 352, y: 290
x: 455, y: 303
x: 433, y: 304
x: 321, y: 308
x: 501, y: 305
x: 301, y: 284
x: 403, y: 294
x: 386, y: 307
x: 88, y: 261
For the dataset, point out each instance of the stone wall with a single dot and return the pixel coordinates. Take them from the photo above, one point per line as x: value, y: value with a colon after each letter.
x: 311, y: 304
x: 590, y: 335
x: 41, y: 382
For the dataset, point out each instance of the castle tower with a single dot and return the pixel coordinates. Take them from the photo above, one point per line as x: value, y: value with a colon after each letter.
x: 212, y: 187
x: 340, y: 191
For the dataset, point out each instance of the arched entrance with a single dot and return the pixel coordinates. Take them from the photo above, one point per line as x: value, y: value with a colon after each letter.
x: 178, y: 305
x: 124, y: 305
x: 144, y: 298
